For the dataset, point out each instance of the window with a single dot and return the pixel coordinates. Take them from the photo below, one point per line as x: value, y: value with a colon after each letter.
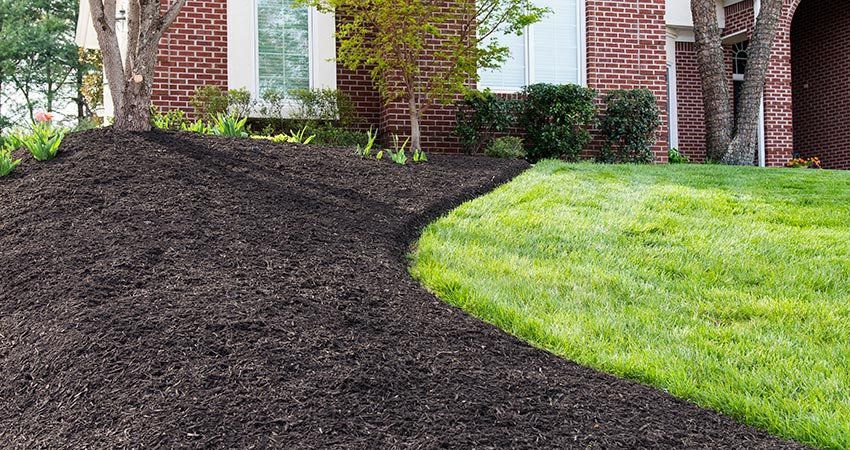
x: 278, y: 44
x: 283, y: 46
x: 739, y: 69
x: 550, y: 51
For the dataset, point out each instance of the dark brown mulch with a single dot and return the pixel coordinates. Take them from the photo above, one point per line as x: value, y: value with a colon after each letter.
x: 171, y: 290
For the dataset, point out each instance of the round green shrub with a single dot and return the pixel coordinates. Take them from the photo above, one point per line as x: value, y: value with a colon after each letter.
x: 506, y: 147
x: 557, y: 119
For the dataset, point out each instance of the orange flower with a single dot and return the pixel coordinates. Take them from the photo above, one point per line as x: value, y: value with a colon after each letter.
x: 43, y: 117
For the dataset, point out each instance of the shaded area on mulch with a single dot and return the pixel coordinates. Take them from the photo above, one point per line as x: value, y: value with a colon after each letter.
x: 172, y: 290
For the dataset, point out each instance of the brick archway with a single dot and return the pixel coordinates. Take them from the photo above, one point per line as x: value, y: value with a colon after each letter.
x: 820, y: 67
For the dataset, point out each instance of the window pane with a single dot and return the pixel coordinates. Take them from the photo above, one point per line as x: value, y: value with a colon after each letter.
x: 511, y: 76
x: 556, y: 43
x: 283, y: 39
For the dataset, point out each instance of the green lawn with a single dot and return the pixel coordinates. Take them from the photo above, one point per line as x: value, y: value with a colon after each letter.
x: 729, y: 287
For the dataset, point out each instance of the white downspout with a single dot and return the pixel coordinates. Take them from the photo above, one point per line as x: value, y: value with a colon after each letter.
x: 762, y: 154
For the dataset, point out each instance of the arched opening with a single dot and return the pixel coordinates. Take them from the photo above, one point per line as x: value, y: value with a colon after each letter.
x: 820, y: 67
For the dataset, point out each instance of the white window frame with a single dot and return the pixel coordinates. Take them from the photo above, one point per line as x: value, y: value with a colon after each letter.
x: 243, y: 68
x: 528, y: 41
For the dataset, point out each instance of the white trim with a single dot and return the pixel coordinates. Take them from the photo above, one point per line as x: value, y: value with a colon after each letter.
x: 243, y: 49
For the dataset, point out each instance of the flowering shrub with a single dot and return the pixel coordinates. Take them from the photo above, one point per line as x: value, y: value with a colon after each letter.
x: 44, y: 139
x: 804, y: 163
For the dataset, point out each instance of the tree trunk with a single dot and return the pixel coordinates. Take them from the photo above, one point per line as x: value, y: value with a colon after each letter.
x: 742, y: 149
x: 715, y: 82
x: 415, y: 121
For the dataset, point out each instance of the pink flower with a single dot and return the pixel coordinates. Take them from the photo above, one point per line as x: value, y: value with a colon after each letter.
x: 43, y: 117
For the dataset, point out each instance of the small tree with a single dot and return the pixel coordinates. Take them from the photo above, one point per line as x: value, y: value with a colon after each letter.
x: 729, y: 140
x: 394, y: 39
x: 130, y: 80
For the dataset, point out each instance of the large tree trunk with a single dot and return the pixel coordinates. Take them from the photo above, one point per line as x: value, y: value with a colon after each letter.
x: 728, y: 140
x: 130, y: 76
x: 742, y: 149
x: 715, y: 82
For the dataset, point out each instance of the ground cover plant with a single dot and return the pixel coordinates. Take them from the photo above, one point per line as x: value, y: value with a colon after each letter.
x: 217, y: 292
x: 725, y: 286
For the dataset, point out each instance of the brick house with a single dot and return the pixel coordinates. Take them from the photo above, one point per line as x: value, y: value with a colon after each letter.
x: 603, y: 44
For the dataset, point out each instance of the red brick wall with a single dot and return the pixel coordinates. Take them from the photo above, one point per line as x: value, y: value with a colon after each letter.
x: 192, y: 54
x: 778, y: 113
x: 690, y: 104
x: 820, y: 61
x: 626, y: 48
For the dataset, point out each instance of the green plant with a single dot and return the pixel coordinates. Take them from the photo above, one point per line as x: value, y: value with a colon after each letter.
x: 804, y: 163
x: 209, y: 101
x: 239, y: 102
x: 229, y: 125
x: 333, y: 136
x: 171, y: 120
x: 397, y: 152
x: 42, y: 141
x: 556, y: 119
x: 629, y: 126
x: 676, y: 157
x: 323, y: 107
x: 419, y: 156
x: 198, y: 126
x: 300, y: 137
x: 379, y: 156
x: 7, y: 162
x: 506, y: 147
x: 481, y: 116
x: 366, y: 150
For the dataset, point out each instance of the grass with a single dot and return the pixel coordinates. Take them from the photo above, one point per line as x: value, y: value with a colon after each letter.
x: 729, y: 287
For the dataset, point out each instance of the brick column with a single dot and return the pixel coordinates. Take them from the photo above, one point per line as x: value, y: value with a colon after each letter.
x: 778, y: 112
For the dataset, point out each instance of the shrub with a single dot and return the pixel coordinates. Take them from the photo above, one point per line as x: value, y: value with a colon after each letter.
x: 506, y: 147
x: 211, y: 101
x: 8, y: 163
x: 676, y: 157
x: 172, y: 120
x: 481, y: 116
x: 229, y: 125
x: 629, y: 125
x: 44, y: 139
x: 331, y: 136
x: 556, y: 119
x: 323, y: 107
x: 804, y: 163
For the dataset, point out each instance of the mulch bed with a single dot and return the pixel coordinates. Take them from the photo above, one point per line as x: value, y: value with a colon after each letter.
x: 169, y: 290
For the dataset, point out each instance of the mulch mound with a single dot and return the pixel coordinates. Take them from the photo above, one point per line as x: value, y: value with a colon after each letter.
x: 169, y: 290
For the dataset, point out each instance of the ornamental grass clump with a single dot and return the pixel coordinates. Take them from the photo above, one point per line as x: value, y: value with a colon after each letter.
x: 44, y: 140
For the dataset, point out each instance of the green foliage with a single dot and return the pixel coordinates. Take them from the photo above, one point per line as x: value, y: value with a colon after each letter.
x: 556, y: 119
x: 629, y: 126
x: 419, y: 156
x: 229, y: 125
x: 42, y: 141
x: 724, y: 286
x: 299, y: 137
x: 323, y: 106
x: 212, y: 101
x: 8, y: 163
x: 397, y: 152
x: 333, y: 136
x: 506, y: 147
x: 481, y: 116
x: 676, y: 157
x: 172, y: 120
x: 366, y: 150
x: 198, y: 126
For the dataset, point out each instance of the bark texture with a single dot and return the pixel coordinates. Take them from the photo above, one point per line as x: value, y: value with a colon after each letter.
x: 727, y: 139
x: 131, y: 75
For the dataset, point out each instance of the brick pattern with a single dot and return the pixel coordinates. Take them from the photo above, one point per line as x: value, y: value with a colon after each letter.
x: 820, y: 35
x: 690, y: 104
x: 626, y: 48
x: 192, y: 54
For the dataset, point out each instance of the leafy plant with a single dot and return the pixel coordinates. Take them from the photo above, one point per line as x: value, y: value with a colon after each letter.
x: 8, y: 163
x: 44, y: 139
x: 629, y: 126
x: 300, y: 137
x: 333, y: 136
x: 323, y: 106
x: 212, y: 101
x: 804, y: 163
x: 239, y: 102
x: 171, y: 120
x: 506, y: 147
x: 366, y: 150
x: 419, y: 156
x: 481, y: 116
x: 556, y: 119
x: 379, y: 156
x: 198, y: 126
x: 676, y: 157
x: 397, y: 153
x: 229, y: 125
